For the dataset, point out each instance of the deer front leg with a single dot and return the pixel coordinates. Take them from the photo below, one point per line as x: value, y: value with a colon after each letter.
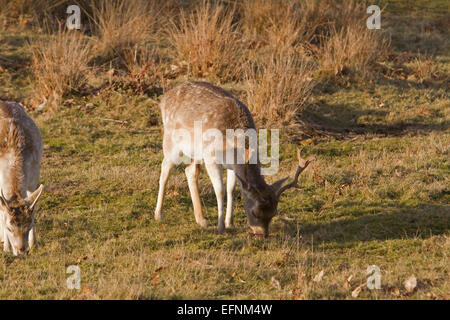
x: 216, y: 175
x: 231, y: 183
x: 6, y: 243
x: 192, y: 171
x: 3, y: 236
x: 2, y: 231
x: 166, y: 167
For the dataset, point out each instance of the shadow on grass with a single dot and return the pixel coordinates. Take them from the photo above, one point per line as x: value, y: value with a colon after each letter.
x: 342, y: 119
x: 376, y: 222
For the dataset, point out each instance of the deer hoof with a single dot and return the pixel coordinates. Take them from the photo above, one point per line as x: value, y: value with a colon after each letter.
x: 203, y: 223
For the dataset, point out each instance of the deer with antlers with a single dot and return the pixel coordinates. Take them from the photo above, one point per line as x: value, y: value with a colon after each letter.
x: 217, y: 109
x: 20, y: 161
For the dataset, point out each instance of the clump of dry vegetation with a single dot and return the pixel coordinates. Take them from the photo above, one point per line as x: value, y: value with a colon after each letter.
x: 60, y: 65
x: 207, y: 42
x: 332, y: 33
x: 122, y: 27
x: 353, y: 49
x: 144, y: 73
x: 278, y: 88
x: 423, y: 69
x: 278, y: 23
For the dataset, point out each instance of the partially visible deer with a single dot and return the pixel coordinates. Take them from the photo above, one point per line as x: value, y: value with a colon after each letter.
x: 20, y: 161
x: 217, y: 109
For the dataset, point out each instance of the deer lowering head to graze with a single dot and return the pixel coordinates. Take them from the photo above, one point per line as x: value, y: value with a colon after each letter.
x: 182, y: 109
x: 20, y: 161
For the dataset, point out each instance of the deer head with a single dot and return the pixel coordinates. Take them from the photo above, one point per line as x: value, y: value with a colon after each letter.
x: 261, y: 199
x: 18, y: 220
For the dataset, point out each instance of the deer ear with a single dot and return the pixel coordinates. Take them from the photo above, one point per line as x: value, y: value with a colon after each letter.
x: 34, y: 197
x: 277, y: 184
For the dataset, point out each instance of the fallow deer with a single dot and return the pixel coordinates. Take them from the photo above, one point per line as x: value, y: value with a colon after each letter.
x: 217, y: 109
x: 20, y: 161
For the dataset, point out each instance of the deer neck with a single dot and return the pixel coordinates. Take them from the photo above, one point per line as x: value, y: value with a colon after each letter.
x: 251, y: 174
x: 11, y: 174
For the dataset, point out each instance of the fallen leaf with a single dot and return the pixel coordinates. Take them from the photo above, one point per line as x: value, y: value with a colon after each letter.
x: 306, y: 142
x: 86, y: 289
x: 347, y: 284
x: 275, y: 283
x: 355, y: 293
x: 410, y: 283
x: 155, y: 276
x: 194, y: 261
x: 396, y: 292
x: 81, y: 259
x: 431, y: 295
x: 318, y: 276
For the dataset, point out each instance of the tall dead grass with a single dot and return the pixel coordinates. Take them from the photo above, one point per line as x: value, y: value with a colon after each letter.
x: 278, y: 88
x: 60, y: 65
x: 288, y: 35
x: 121, y: 26
x: 289, y: 22
x: 423, y: 69
x: 353, y: 49
x: 207, y: 42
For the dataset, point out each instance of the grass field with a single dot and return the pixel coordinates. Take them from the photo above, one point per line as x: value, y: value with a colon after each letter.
x: 378, y: 193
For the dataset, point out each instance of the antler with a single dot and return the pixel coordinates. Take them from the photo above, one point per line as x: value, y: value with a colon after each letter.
x: 302, y: 165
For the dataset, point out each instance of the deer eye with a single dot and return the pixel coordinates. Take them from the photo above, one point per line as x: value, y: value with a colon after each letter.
x: 9, y: 229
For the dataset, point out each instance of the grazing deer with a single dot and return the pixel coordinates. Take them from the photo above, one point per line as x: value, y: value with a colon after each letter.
x: 217, y: 109
x: 20, y: 161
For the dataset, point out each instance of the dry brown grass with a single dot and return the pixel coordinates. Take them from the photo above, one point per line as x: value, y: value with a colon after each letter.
x: 122, y: 26
x: 423, y: 69
x: 277, y: 22
x: 60, y: 65
x: 278, y: 88
x: 143, y: 68
x: 353, y: 49
x: 334, y: 30
x: 207, y: 42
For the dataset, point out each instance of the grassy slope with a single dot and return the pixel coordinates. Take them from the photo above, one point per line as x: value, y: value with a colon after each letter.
x: 376, y: 196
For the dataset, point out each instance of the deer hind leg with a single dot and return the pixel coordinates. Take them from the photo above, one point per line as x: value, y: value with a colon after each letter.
x: 216, y: 175
x: 231, y: 183
x: 166, y: 167
x: 192, y: 171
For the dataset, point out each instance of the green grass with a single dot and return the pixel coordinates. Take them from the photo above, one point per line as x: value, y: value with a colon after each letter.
x: 378, y: 194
